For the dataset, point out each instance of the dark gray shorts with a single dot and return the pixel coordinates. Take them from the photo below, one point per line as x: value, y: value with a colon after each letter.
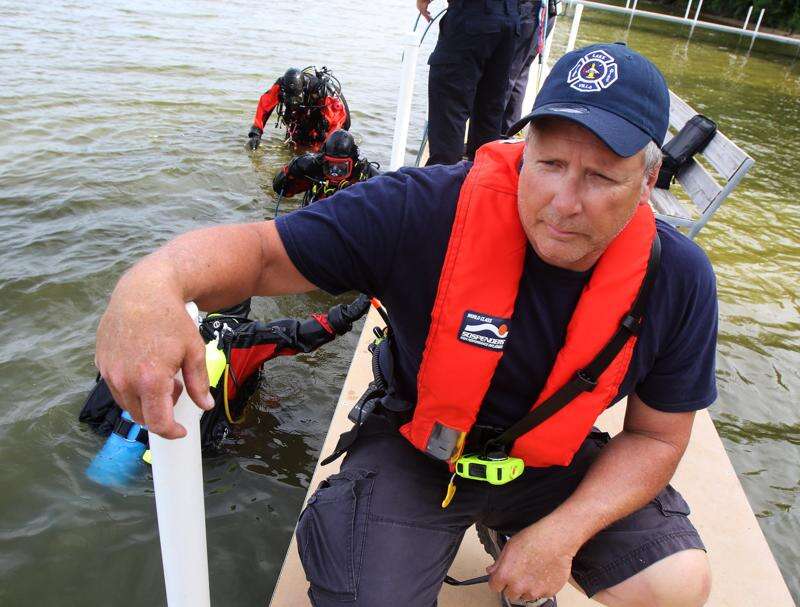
x: 375, y: 534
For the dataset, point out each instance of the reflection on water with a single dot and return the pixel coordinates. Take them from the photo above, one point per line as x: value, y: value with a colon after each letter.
x: 124, y: 125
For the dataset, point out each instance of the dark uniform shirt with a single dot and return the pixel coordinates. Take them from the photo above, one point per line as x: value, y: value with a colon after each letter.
x: 388, y: 237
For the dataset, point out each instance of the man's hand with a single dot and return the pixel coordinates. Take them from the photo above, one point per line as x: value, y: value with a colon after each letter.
x: 144, y: 337
x: 422, y: 7
x: 534, y: 564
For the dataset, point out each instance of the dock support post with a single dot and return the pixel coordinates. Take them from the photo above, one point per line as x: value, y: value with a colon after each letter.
x: 410, y: 52
x: 747, y: 19
x: 573, y: 31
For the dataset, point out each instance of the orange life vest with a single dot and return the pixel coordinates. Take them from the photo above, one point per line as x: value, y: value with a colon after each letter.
x: 478, y: 287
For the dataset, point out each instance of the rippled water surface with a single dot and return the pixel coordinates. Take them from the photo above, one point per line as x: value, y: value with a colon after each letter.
x: 123, y: 124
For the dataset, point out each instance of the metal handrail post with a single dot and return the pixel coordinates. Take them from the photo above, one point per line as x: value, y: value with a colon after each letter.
x: 747, y: 19
x: 573, y: 31
x: 411, y: 42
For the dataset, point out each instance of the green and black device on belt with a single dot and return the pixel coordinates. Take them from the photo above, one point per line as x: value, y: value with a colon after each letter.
x: 496, y: 468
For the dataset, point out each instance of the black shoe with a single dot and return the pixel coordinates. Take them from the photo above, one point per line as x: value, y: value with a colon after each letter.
x: 493, y: 543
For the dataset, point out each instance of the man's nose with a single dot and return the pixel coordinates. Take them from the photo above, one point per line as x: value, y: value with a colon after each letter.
x: 567, y: 198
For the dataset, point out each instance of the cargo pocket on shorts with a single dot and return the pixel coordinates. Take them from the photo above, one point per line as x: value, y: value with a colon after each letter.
x: 671, y: 503
x: 331, y: 532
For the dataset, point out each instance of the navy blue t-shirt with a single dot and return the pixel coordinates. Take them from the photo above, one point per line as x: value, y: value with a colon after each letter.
x: 388, y: 236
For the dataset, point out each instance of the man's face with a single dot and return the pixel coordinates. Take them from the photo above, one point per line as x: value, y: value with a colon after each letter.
x: 575, y: 194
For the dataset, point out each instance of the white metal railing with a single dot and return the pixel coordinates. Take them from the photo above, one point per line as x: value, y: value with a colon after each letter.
x: 691, y: 22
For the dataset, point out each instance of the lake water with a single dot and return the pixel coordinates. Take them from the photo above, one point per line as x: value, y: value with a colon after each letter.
x: 123, y: 125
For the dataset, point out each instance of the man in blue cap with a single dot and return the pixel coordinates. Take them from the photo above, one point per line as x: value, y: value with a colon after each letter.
x: 574, y: 195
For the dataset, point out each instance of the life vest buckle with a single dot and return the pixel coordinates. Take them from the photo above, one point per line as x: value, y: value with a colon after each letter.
x: 494, y: 467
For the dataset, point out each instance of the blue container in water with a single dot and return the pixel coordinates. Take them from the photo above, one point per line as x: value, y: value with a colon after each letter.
x: 120, y: 459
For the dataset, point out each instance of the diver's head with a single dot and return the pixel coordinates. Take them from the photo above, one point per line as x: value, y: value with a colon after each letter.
x: 339, y: 154
x: 292, y: 87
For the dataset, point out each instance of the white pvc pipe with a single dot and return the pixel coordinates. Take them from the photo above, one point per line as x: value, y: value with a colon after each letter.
x: 747, y: 19
x: 633, y: 8
x: 178, y: 483
x: 627, y: 3
x: 697, y: 12
x: 573, y: 31
x: 688, y: 8
x: 410, y: 52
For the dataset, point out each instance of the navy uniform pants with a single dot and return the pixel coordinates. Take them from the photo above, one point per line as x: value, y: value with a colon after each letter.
x: 376, y: 534
x: 524, y: 55
x: 468, y: 77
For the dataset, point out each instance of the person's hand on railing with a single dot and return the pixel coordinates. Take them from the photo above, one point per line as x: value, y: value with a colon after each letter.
x: 422, y: 7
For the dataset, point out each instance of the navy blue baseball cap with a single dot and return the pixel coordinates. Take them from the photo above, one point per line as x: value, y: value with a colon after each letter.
x: 613, y: 91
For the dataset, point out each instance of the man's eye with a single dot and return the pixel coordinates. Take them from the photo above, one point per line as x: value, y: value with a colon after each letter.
x: 600, y: 176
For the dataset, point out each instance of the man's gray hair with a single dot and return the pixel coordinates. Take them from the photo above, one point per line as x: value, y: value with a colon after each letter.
x: 652, y: 160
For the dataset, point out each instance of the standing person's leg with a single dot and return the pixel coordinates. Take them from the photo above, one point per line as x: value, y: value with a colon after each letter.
x: 455, y: 68
x: 524, y: 53
x: 490, y: 95
x: 376, y: 534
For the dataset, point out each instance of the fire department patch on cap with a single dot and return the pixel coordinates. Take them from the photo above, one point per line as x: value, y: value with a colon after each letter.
x: 593, y: 72
x: 484, y: 331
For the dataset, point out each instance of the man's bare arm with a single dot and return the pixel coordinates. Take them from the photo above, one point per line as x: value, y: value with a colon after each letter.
x: 145, y: 335
x: 628, y: 473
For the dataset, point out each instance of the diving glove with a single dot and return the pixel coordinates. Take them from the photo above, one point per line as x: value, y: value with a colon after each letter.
x: 254, y: 137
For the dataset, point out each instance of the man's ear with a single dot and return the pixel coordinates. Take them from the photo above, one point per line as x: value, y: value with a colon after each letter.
x: 650, y: 184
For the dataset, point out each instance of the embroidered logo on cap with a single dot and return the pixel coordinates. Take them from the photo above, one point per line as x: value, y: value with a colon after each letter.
x: 593, y: 72
x: 483, y: 330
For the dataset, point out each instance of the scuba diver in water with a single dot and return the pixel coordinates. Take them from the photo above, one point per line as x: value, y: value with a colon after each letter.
x: 319, y: 175
x: 309, y: 103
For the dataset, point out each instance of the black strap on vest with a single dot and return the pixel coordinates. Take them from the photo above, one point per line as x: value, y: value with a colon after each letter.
x: 585, y: 379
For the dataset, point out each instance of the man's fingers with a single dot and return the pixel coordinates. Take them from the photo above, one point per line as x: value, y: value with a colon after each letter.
x: 195, y: 376
x: 125, y: 398
x: 422, y: 7
x: 497, y: 581
x: 177, y: 388
x: 157, y: 410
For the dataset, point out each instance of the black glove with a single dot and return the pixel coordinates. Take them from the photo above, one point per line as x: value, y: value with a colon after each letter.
x: 254, y: 137
x: 279, y: 182
x: 341, y: 317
